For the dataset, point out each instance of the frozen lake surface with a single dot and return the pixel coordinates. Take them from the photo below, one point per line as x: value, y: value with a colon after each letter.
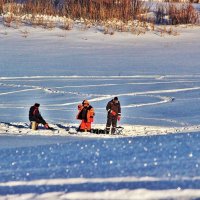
x: 157, y: 81
x: 150, y: 100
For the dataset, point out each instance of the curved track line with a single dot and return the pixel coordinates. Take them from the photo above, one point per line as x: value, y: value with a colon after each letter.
x: 163, y: 100
x: 27, y: 90
x: 128, y: 80
x: 160, y: 119
x: 79, y: 77
x: 134, y: 94
x: 82, y: 86
x: 158, y: 77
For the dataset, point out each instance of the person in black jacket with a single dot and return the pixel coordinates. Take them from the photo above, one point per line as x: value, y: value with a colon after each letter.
x: 35, y: 116
x: 114, y: 113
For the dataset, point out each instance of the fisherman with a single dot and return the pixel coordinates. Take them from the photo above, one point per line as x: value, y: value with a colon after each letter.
x: 86, y: 114
x: 36, y: 118
x: 114, y: 114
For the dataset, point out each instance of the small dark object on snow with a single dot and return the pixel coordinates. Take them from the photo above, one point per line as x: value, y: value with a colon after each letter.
x: 51, y: 128
x: 118, y: 131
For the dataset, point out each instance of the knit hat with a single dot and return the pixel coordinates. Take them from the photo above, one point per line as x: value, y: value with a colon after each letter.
x: 86, y: 102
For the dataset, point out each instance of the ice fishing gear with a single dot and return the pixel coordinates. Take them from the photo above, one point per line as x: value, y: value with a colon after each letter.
x: 98, y: 131
x: 118, y: 131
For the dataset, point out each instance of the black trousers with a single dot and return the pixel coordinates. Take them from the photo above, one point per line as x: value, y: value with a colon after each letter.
x: 111, y: 121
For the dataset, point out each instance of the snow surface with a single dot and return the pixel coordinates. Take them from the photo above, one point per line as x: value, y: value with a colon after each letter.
x: 156, y: 167
x: 157, y: 81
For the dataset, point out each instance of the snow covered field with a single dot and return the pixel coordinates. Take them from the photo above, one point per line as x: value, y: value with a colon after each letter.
x: 157, y: 81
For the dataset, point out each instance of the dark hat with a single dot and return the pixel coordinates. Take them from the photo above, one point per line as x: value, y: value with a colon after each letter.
x: 37, y: 105
x: 116, y: 99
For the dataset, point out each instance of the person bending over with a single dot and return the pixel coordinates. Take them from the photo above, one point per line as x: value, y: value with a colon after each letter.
x: 36, y: 118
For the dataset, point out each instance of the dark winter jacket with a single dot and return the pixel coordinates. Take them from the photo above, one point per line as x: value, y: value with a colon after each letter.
x: 34, y: 115
x: 112, y: 106
x: 86, y: 114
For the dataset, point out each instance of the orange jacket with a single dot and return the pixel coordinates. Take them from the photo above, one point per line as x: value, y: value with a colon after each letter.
x: 85, y: 113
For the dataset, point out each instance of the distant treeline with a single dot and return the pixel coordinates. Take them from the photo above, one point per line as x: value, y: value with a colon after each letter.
x: 87, y: 9
x: 104, y: 10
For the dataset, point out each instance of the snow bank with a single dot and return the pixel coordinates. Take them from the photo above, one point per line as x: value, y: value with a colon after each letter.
x: 70, y: 129
x: 143, y: 194
x: 139, y: 194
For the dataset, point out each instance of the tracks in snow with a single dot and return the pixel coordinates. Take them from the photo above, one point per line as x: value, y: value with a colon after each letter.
x: 79, y: 87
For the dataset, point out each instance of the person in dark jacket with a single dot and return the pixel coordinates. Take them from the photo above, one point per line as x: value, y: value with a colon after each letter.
x: 114, y: 114
x: 35, y: 116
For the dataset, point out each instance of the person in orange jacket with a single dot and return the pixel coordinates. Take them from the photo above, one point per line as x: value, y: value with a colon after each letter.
x: 86, y: 115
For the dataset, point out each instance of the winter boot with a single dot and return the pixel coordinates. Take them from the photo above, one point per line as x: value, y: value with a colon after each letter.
x: 113, y: 131
x: 107, y: 131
